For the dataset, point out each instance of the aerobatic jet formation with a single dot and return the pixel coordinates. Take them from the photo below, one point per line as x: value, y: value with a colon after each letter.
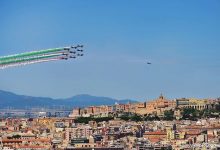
x: 54, y: 54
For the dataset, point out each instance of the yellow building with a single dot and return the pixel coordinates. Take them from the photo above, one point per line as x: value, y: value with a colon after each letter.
x: 157, y: 106
x: 198, y: 104
x: 49, y: 122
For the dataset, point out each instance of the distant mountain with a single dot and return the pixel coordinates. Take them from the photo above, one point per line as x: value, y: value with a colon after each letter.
x: 9, y: 99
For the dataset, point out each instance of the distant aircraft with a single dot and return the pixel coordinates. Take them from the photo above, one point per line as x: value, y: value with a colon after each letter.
x: 148, y: 62
x: 74, y: 52
x: 65, y: 54
x: 79, y: 54
x: 66, y: 48
x: 64, y: 58
x: 81, y: 46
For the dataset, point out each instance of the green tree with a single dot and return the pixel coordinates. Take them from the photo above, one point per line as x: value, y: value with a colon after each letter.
x: 102, y: 119
x: 125, y: 117
x: 132, y: 117
x: 83, y: 120
x: 16, y: 136
x: 87, y: 119
x: 191, y: 114
x: 168, y: 115
x: 151, y: 117
x: 136, y: 118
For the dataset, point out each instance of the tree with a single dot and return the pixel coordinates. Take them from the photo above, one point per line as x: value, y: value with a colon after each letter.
x: 125, y: 117
x: 102, y: 119
x: 87, y: 119
x: 168, y: 115
x: 151, y: 117
x: 136, y: 118
x: 132, y: 117
x: 83, y: 120
x: 191, y: 114
x: 16, y: 136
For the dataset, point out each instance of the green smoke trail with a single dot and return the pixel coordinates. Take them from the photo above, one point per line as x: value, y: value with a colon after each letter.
x: 29, y: 54
x: 23, y: 60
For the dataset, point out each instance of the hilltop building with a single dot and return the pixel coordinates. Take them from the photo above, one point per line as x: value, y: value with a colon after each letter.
x: 198, y: 104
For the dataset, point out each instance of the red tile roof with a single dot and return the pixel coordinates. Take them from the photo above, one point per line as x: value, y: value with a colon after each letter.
x: 155, y: 133
x: 32, y: 146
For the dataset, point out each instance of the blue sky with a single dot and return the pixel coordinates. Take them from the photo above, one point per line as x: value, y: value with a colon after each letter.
x: 180, y: 38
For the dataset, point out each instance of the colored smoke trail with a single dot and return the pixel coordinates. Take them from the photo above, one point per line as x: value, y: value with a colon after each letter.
x: 28, y: 63
x: 31, y: 53
x: 40, y: 56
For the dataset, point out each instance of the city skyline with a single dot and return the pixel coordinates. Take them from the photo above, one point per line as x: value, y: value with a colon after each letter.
x: 180, y: 39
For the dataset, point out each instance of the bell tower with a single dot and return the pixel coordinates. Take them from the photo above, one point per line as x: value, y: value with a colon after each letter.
x: 161, y: 96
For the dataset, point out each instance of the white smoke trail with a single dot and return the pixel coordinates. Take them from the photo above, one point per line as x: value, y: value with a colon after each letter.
x: 29, y: 62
